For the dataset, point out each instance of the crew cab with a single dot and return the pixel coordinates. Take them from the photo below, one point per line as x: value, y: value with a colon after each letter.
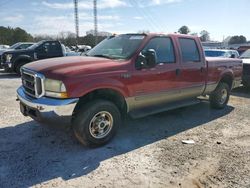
x: 135, y: 74
x: 13, y: 60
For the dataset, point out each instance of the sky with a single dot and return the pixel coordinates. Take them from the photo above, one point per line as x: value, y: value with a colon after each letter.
x: 221, y: 18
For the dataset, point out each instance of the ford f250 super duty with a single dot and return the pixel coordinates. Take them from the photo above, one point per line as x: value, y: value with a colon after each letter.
x: 135, y: 74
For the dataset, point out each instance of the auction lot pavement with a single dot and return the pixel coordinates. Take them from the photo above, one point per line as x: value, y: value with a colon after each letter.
x: 147, y: 152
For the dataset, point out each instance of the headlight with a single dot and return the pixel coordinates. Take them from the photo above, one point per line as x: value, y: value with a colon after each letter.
x: 55, y: 88
x: 8, y: 57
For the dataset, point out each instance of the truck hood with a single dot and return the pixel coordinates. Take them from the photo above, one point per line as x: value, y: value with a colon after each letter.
x: 72, y: 66
x: 4, y: 50
x: 13, y: 51
x: 246, y: 61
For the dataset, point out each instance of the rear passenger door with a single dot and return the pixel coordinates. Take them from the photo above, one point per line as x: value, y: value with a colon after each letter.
x: 192, y: 74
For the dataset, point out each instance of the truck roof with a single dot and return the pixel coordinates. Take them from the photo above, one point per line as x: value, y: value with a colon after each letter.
x: 163, y: 34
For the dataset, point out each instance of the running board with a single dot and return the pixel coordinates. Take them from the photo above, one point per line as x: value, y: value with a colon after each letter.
x: 162, y: 108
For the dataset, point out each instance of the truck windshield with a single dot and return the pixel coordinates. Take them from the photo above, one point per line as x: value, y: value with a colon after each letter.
x: 117, y: 47
x: 15, y: 45
x: 32, y: 47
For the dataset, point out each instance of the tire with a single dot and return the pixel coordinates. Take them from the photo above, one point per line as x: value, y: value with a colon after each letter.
x: 220, y: 97
x: 96, y: 123
x: 18, y: 67
x: 246, y: 85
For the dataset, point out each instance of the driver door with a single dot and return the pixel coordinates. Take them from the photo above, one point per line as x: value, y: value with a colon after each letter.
x: 42, y: 52
x: 159, y: 84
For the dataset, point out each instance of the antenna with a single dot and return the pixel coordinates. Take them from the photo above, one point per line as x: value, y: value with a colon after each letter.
x: 76, y: 20
x: 95, y: 21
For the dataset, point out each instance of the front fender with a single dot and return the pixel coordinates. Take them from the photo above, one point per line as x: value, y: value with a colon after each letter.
x: 22, y: 58
x: 98, y: 83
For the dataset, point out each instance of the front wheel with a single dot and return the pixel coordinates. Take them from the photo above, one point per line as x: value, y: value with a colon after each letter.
x: 96, y: 122
x: 220, y: 97
x: 18, y: 68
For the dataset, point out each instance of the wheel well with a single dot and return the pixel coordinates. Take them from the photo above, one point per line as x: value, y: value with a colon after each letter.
x: 19, y: 61
x: 228, y: 80
x: 107, y: 94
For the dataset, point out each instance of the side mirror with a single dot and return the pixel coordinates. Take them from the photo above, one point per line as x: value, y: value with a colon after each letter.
x: 233, y: 56
x: 146, y: 60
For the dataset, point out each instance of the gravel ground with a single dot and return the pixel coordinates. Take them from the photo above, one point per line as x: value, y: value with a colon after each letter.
x: 147, y: 152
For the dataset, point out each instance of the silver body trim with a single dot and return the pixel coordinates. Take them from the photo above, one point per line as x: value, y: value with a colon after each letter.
x: 35, y: 76
x: 160, y: 98
x: 48, y: 110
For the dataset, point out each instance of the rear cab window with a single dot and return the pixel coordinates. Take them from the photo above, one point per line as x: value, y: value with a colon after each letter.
x: 189, y: 50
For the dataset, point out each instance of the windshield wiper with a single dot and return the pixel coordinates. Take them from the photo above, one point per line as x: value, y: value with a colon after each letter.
x: 101, y: 55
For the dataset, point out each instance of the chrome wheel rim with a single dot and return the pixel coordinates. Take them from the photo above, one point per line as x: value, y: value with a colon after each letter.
x: 101, y: 124
x: 223, y: 96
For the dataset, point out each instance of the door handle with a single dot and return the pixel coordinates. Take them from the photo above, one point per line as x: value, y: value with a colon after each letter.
x: 178, y: 72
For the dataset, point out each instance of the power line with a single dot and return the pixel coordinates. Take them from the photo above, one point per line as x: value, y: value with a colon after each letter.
x: 149, y: 19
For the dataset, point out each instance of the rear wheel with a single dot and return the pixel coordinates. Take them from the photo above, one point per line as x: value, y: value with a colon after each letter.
x: 220, y: 97
x: 95, y: 123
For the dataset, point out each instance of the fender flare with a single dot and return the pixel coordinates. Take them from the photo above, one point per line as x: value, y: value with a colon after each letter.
x: 225, y: 75
x: 25, y: 58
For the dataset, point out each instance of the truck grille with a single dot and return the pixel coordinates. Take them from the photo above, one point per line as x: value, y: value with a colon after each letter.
x: 246, y: 69
x: 32, y: 83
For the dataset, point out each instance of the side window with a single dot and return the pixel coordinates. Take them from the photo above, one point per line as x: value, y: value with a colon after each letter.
x: 189, y: 50
x: 54, y: 47
x: 43, y: 48
x: 164, y: 49
x: 47, y: 46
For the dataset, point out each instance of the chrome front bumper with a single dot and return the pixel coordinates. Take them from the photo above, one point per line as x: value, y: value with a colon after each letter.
x: 47, y: 110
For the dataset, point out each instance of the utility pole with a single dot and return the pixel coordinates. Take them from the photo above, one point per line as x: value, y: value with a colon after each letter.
x: 76, y: 20
x: 95, y: 22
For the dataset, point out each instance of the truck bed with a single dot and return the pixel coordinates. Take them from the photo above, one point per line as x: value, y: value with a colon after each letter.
x: 218, y: 66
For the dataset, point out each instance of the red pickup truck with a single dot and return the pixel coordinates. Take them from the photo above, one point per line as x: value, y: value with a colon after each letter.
x: 135, y: 74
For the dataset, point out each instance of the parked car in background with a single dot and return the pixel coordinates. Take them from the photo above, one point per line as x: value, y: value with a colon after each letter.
x: 13, y: 60
x: 16, y: 46
x: 3, y: 46
x: 242, y: 49
x: 246, y: 68
x: 68, y: 52
x: 138, y: 74
x: 221, y: 53
x: 83, y: 48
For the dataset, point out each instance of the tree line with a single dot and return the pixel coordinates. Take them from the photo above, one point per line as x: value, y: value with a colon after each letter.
x: 10, y: 36
x: 205, y: 36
